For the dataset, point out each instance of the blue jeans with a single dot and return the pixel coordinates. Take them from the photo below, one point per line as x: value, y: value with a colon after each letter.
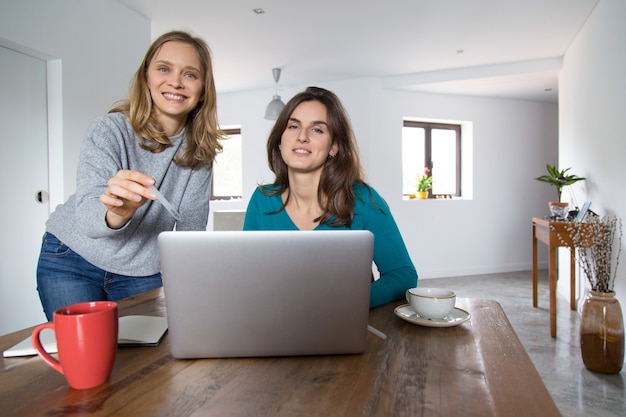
x: 64, y: 278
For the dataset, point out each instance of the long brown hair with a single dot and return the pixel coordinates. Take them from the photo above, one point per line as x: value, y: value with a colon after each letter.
x: 201, y: 130
x: 335, y: 194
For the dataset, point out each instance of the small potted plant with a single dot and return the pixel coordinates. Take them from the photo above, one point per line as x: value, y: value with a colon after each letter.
x: 424, y: 183
x: 558, y: 179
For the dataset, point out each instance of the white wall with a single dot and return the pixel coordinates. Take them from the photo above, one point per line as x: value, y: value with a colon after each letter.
x: 592, y: 93
x: 513, y: 140
x: 98, y: 45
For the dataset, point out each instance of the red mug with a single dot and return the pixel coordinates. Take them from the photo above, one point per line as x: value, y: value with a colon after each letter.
x: 86, y: 336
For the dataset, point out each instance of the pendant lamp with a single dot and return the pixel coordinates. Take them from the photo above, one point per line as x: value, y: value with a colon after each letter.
x: 276, y: 105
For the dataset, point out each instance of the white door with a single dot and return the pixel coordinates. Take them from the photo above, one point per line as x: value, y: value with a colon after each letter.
x: 23, y: 174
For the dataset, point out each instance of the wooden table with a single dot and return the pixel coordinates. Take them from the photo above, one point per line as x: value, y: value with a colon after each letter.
x: 548, y: 232
x: 478, y: 368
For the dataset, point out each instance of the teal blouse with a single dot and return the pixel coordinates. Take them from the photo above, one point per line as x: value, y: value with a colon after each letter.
x: 371, y: 212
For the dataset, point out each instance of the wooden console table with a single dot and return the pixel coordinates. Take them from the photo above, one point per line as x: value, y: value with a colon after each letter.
x: 548, y: 232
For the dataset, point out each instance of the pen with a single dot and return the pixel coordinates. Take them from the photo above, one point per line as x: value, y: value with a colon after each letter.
x: 376, y: 332
x: 165, y: 203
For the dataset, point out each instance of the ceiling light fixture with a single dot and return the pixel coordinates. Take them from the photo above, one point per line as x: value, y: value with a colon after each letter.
x: 276, y: 105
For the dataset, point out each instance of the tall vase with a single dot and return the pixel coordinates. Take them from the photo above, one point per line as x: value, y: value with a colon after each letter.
x: 602, y: 333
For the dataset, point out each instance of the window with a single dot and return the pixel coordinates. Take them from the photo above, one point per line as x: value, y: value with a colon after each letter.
x: 227, y: 168
x: 436, y: 146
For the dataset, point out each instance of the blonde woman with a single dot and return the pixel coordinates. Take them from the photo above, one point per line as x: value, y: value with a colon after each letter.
x: 101, y: 244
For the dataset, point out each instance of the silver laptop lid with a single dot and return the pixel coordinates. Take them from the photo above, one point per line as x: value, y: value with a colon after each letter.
x: 266, y: 293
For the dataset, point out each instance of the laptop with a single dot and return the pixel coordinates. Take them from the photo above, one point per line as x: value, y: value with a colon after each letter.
x: 266, y: 293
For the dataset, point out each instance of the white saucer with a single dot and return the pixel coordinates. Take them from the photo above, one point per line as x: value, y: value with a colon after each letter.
x: 458, y: 316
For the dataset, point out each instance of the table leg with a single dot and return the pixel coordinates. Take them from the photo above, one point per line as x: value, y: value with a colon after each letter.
x: 572, y: 279
x: 552, y: 272
x: 534, y: 267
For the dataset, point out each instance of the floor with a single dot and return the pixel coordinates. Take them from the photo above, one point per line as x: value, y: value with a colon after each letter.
x: 575, y: 390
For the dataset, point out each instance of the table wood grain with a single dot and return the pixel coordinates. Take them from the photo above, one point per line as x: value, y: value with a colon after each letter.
x: 479, y: 368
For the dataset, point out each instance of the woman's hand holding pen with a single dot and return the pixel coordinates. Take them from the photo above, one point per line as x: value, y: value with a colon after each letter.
x: 126, y: 192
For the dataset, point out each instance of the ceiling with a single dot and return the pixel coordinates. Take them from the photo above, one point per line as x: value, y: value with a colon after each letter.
x: 495, y: 48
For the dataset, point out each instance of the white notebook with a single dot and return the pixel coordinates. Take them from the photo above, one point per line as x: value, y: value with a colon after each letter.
x: 133, y: 331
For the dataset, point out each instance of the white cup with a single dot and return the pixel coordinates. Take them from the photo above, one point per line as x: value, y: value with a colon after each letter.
x: 431, y: 303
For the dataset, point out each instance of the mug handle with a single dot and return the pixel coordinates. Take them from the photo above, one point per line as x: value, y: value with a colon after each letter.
x: 34, y: 339
x: 406, y: 295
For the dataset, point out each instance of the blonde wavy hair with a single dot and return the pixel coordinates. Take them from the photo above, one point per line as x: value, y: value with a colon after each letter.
x: 201, y: 130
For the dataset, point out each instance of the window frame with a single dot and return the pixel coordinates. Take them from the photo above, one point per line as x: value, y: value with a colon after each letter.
x: 428, y: 127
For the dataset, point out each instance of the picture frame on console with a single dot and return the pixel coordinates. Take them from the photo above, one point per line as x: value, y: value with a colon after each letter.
x: 583, y: 211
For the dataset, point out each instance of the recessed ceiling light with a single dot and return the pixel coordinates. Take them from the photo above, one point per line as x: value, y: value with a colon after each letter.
x: 258, y: 10
x: 459, y: 51
x: 547, y: 89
